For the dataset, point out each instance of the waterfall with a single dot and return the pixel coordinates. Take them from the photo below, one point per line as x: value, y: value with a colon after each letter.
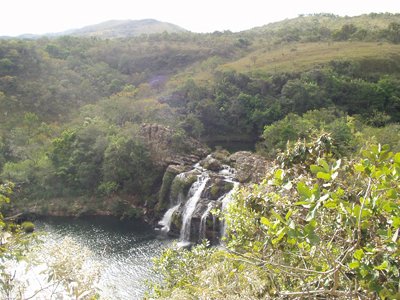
x: 210, y: 189
x: 225, y: 201
x: 167, y: 218
x: 203, y: 221
x: 228, y: 172
x: 195, y: 192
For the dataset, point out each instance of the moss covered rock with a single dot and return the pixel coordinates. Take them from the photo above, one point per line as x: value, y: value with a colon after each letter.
x: 211, y: 164
x: 168, y: 178
x: 182, y: 183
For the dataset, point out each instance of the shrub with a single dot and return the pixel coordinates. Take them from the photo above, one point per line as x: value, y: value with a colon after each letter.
x: 319, y: 228
x: 28, y: 227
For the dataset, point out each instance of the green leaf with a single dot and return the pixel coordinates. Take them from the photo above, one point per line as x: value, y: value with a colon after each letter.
x: 356, y: 211
x: 322, y: 162
x: 278, y: 216
x: 289, y: 213
x: 397, y: 158
x: 315, y: 169
x: 384, y: 155
x: 330, y: 204
x: 265, y: 222
x: 280, y: 234
x: 324, y: 176
x: 359, y: 168
x: 279, y: 174
x: 305, y: 204
x: 303, y: 190
x: 354, y: 264
x: 311, y: 214
x: 382, y: 266
x: 396, y: 222
x: 358, y: 254
x: 364, y: 271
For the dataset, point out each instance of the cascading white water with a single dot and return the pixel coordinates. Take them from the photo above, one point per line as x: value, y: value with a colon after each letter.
x: 167, y: 218
x: 195, y: 190
x: 200, y: 210
x: 227, y: 172
x: 203, y: 221
x: 225, y: 201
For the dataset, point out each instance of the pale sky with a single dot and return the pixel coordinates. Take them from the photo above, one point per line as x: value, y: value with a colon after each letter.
x: 44, y: 16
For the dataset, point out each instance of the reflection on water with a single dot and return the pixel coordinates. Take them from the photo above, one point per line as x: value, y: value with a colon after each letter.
x: 125, y: 250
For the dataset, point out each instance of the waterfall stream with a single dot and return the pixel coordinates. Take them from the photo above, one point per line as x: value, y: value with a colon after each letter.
x: 167, y: 218
x: 195, y: 190
x: 193, y: 196
x: 225, y: 201
x: 203, y: 221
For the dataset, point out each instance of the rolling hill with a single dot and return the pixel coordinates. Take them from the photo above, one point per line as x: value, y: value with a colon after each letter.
x: 123, y: 28
x: 112, y: 29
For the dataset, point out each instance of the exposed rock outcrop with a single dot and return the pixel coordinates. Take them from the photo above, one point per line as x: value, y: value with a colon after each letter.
x: 250, y: 167
x: 212, y: 164
x: 171, y: 147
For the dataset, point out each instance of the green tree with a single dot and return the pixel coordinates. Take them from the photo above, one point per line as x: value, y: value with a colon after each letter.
x: 127, y: 163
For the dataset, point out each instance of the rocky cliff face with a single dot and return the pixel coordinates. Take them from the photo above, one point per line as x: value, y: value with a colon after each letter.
x: 192, y: 194
x: 250, y: 167
x: 171, y: 147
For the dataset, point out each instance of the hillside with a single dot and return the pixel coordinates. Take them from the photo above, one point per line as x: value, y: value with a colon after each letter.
x: 72, y: 107
x: 328, y: 26
x: 123, y: 29
x: 297, y: 57
x: 111, y: 29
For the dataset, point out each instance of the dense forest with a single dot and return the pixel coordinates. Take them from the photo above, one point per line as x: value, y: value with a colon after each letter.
x: 309, y: 94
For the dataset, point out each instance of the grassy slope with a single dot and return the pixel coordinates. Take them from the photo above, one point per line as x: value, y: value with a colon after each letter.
x: 302, y: 56
x: 371, y: 21
x: 267, y: 54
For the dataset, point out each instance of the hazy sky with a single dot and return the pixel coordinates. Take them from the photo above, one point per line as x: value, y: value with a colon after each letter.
x: 43, y: 16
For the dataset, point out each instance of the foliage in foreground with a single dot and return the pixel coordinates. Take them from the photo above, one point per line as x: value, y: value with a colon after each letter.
x: 63, y: 272
x: 324, y: 228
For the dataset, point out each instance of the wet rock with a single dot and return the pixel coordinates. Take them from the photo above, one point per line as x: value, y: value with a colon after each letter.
x: 176, y: 224
x: 181, y: 185
x: 216, y: 187
x: 212, y: 164
x: 168, y: 178
x: 250, y: 167
x: 222, y: 155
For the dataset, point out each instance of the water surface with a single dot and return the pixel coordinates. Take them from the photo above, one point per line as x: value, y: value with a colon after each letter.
x: 124, y: 249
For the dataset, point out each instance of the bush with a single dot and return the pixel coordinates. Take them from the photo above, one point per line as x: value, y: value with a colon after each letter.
x: 28, y: 227
x: 323, y: 228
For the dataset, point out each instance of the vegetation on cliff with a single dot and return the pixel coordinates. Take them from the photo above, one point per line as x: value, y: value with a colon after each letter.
x: 90, y: 125
x: 72, y: 108
x: 317, y: 226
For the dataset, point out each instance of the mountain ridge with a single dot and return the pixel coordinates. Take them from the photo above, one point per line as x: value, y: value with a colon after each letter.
x: 111, y: 29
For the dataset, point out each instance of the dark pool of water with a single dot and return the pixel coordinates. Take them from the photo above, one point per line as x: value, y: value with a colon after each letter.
x: 125, y: 250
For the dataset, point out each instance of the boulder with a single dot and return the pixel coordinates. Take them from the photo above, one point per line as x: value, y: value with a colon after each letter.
x: 250, y: 167
x: 212, y: 164
x: 216, y: 187
x: 176, y: 224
